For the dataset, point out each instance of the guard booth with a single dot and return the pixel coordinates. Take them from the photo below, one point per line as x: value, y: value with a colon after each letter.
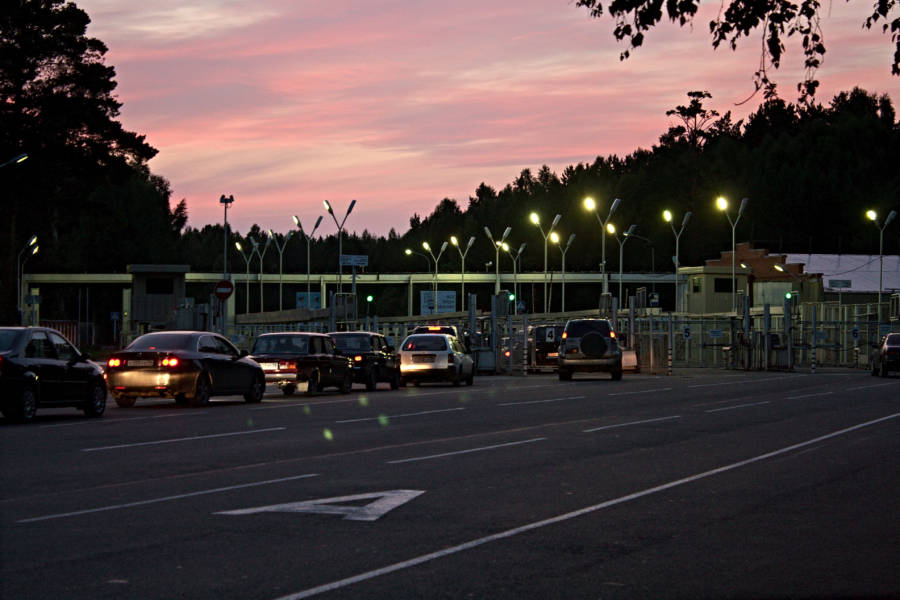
x: 156, y: 295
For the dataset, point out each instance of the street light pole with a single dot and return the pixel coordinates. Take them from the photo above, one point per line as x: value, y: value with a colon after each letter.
x: 308, y: 238
x: 667, y: 215
x: 497, y: 245
x: 20, y: 273
x: 462, y: 261
x: 590, y: 205
x: 722, y: 204
x: 261, y: 255
x: 537, y: 221
x: 555, y: 239
x: 340, y: 227
x: 612, y: 230
x: 873, y: 216
x: 280, y: 248
x: 247, y: 260
x: 434, y: 279
x: 515, y: 259
x: 225, y: 201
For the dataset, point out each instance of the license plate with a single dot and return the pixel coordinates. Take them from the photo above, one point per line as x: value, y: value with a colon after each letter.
x: 423, y: 358
x: 141, y: 362
x: 552, y: 355
x: 269, y: 366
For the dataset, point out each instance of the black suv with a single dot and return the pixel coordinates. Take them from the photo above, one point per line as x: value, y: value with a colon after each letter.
x: 373, y: 358
x: 589, y: 345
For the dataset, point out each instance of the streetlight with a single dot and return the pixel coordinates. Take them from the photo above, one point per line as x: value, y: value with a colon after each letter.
x: 19, y: 158
x: 32, y: 248
x: 515, y: 259
x: 434, y: 284
x: 226, y: 202
x: 410, y: 252
x: 873, y: 216
x: 722, y: 204
x: 261, y: 255
x: 555, y: 239
x: 247, y: 260
x: 612, y: 230
x: 340, y: 227
x: 590, y: 205
x: 667, y: 215
x: 462, y: 262
x: 497, y: 245
x: 308, y: 238
x: 537, y: 221
x: 280, y: 249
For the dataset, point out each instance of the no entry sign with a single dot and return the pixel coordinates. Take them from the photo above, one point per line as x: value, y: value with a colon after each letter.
x: 224, y: 289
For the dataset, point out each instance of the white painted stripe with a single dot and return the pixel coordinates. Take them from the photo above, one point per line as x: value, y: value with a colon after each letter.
x: 738, y: 406
x: 702, y: 385
x: 342, y: 583
x: 302, y: 404
x: 640, y: 392
x: 416, y: 414
x: 469, y: 451
x: 865, y: 387
x: 184, y: 439
x: 809, y: 395
x: 542, y: 401
x: 113, y: 421
x: 632, y: 423
x: 166, y: 498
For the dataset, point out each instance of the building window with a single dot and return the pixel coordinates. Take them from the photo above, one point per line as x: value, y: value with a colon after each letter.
x: 696, y: 286
x: 722, y: 285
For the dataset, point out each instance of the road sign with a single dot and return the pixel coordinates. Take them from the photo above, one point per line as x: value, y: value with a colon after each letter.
x: 314, y: 300
x: 687, y: 332
x: 854, y: 333
x: 354, y: 260
x: 839, y: 283
x: 224, y: 289
x: 446, y: 302
x: 550, y: 335
x: 715, y: 333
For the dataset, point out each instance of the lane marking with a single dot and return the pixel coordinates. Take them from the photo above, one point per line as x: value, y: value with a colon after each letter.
x: 641, y: 392
x: 865, y: 387
x: 184, y: 439
x: 702, y: 385
x: 424, y: 558
x: 302, y: 404
x: 632, y: 423
x: 809, y: 395
x: 165, y: 498
x: 383, y: 504
x: 714, y: 410
x: 415, y: 414
x: 542, y: 401
x: 727, y: 400
x: 469, y: 451
x: 112, y: 421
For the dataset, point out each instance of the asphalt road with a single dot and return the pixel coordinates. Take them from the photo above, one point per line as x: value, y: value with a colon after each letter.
x: 714, y: 484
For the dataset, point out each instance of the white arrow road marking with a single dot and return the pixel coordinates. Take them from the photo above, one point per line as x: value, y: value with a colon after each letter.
x: 386, y: 502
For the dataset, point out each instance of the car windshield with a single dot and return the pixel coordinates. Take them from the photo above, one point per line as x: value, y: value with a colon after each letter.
x: 352, y: 342
x: 281, y: 344
x: 163, y: 341
x: 577, y: 329
x: 425, y: 342
x: 893, y: 339
x: 8, y: 339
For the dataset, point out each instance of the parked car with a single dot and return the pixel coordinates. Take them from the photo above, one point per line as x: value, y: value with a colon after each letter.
x: 372, y: 357
x: 189, y: 366
x: 887, y: 355
x: 589, y: 345
x: 40, y: 368
x: 435, y: 357
x: 291, y: 358
x: 544, y: 346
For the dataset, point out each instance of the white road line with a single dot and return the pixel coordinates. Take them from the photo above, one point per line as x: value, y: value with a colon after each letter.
x: 165, y: 498
x: 112, y: 421
x: 865, y: 387
x: 416, y: 414
x: 184, y: 439
x: 702, y: 385
x: 640, y: 392
x: 737, y: 406
x: 542, y: 401
x: 469, y: 451
x: 809, y: 395
x: 632, y: 423
x: 342, y: 583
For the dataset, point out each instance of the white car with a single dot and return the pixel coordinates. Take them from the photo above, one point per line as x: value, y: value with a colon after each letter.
x: 435, y: 357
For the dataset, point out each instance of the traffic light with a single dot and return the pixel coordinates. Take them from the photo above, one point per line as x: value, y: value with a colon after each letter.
x: 788, y: 296
x: 369, y: 298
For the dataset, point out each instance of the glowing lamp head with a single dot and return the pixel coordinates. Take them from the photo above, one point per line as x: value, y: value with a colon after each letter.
x: 408, y: 251
x: 589, y: 203
x: 667, y: 215
x: 554, y: 237
x: 722, y: 203
x: 872, y: 215
x: 611, y: 228
x: 535, y: 218
x: 426, y: 246
x: 454, y: 240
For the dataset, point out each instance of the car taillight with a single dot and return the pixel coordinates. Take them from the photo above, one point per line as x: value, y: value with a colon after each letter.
x: 357, y: 358
x: 170, y: 361
x: 287, y: 365
x: 114, y: 362
x: 612, y: 334
x: 565, y: 335
x: 507, y: 354
x: 451, y: 358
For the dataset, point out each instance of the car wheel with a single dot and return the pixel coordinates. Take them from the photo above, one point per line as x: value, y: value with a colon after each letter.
x: 289, y: 390
x: 96, y: 402
x: 616, y: 374
x: 347, y: 383
x: 255, y: 394
x: 564, y: 374
x: 372, y: 381
x: 127, y: 401
x: 202, y: 392
x: 395, y: 380
x: 27, y: 407
x: 312, y: 384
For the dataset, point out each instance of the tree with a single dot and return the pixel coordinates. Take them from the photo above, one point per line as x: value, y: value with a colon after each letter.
x: 776, y: 20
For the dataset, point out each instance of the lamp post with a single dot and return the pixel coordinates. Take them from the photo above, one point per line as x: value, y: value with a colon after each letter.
x: 280, y: 248
x: 590, y: 205
x: 537, y: 221
x: 515, y: 259
x: 247, y: 260
x: 308, y: 238
x: 873, y: 216
x: 462, y: 262
x: 31, y: 247
x: 434, y: 278
x: 555, y: 239
x: 340, y: 227
x: 261, y: 255
x: 612, y: 230
x: 488, y: 265
x: 722, y: 204
x: 19, y: 158
x: 497, y: 245
x: 667, y: 215
x: 225, y: 201
x: 410, y: 252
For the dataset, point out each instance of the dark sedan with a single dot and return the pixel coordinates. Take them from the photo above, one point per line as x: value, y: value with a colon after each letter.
x: 373, y: 358
x: 189, y: 366
x: 291, y: 358
x: 887, y: 355
x: 39, y: 367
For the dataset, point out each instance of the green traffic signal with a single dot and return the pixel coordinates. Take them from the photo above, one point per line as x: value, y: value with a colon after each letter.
x: 369, y: 298
x: 788, y: 295
x: 512, y: 297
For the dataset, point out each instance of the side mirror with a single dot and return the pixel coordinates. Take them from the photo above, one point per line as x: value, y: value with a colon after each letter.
x: 85, y: 357
x: 244, y: 353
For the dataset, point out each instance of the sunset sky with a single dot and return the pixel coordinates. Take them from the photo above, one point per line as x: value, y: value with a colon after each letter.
x: 400, y: 103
